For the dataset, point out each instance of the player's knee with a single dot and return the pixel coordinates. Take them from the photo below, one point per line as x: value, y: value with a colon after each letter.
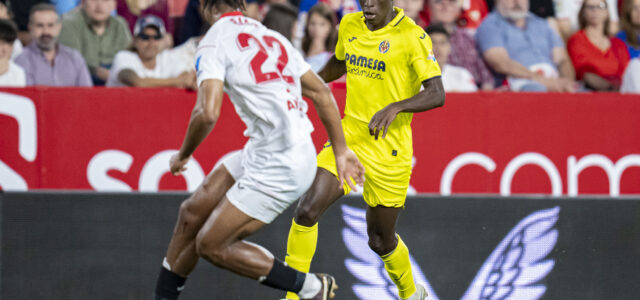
x: 206, y: 248
x: 188, y: 217
x: 381, y: 245
x: 306, y: 216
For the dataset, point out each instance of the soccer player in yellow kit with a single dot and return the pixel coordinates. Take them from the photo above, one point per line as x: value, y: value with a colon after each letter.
x: 387, y: 58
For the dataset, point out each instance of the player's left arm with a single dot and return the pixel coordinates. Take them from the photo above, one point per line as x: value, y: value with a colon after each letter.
x: 431, y: 97
x: 423, y: 62
x: 203, y: 118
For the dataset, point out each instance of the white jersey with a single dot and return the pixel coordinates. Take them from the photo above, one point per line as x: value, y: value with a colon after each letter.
x: 261, y: 72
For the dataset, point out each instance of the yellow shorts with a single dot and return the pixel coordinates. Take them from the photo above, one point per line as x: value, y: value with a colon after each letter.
x: 384, y: 185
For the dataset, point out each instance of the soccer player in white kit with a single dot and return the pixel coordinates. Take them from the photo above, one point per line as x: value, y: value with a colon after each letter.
x: 265, y: 78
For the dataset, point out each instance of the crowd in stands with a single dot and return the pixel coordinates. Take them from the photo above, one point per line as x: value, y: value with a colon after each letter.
x: 516, y: 45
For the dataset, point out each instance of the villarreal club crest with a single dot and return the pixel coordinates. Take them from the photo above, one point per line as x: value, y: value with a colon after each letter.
x: 384, y: 46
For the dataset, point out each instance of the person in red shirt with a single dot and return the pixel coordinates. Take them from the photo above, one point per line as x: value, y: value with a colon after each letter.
x: 599, y: 60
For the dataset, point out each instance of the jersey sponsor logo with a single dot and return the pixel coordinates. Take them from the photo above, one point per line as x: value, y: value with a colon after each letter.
x: 365, y: 62
x: 384, y: 46
x: 431, y: 56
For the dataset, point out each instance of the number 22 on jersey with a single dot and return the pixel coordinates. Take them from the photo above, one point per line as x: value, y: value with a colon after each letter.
x: 261, y: 56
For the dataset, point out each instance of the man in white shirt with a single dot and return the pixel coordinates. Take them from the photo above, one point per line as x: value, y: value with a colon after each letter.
x: 146, y: 65
x: 454, y: 78
x: 265, y: 78
x: 10, y: 73
x: 631, y: 77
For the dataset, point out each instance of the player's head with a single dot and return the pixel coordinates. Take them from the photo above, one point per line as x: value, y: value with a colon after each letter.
x: 212, y: 9
x: 376, y: 12
x: 148, y: 34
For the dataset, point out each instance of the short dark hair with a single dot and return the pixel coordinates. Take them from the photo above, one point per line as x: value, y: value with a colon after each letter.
x: 42, y: 7
x: 437, y: 28
x: 235, y: 4
x: 8, y: 31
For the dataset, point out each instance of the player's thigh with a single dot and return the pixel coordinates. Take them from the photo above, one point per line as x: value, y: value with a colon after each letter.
x: 207, y: 196
x: 324, y: 191
x: 225, y: 225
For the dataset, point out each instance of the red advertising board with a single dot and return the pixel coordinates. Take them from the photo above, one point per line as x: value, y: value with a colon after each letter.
x: 502, y: 143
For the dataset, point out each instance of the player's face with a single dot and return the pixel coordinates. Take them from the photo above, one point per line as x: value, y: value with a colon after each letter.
x: 411, y: 8
x: 319, y: 27
x: 444, y: 11
x: 148, y: 43
x: 5, y: 51
x: 44, y: 27
x: 441, y: 47
x: 376, y: 12
x: 595, y: 12
x: 513, y: 9
x: 98, y: 10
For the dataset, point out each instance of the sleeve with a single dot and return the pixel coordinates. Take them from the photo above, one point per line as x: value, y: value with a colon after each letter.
x: 556, y: 40
x: 23, y: 62
x: 299, y: 65
x: 631, y: 78
x: 421, y: 56
x: 339, y: 45
x: 488, y: 36
x: 210, y: 62
x: 123, y: 60
x: 578, y: 56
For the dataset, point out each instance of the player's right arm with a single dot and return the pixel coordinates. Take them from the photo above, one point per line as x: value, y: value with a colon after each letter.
x: 203, y: 118
x: 347, y: 163
x: 333, y: 70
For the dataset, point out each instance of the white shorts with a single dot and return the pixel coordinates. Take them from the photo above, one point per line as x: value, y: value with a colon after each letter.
x: 268, y: 182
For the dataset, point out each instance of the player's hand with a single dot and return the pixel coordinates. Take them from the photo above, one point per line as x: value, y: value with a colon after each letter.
x: 349, y: 167
x: 382, y: 120
x: 177, y: 165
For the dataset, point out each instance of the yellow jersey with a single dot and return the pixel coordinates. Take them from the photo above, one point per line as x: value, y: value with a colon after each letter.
x: 384, y: 66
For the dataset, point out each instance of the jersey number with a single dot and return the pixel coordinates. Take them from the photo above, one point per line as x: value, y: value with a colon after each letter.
x: 261, y: 56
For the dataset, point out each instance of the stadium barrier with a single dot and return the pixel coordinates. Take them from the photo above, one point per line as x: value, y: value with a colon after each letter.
x: 109, y: 139
x: 77, y: 245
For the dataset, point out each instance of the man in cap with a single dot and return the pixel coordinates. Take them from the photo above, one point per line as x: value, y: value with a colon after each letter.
x: 145, y: 64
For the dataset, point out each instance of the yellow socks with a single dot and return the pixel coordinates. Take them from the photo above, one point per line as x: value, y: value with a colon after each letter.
x: 398, y: 266
x: 301, y: 247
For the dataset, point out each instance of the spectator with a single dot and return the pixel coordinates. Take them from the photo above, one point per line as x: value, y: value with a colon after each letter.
x: 598, y: 59
x: 463, y: 47
x: 320, y: 36
x: 412, y: 9
x: 567, y: 16
x: 192, y: 23
x: 131, y: 10
x: 631, y: 78
x: 20, y: 10
x: 473, y: 12
x: 281, y: 18
x: 525, y: 48
x: 5, y: 14
x: 97, y: 34
x: 454, y: 79
x: 630, y: 25
x: 46, y: 61
x: 10, y: 73
x: 145, y: 65
x: 542, y: 8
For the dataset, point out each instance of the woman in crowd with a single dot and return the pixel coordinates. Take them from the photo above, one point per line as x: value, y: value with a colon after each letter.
x: 630, y: 25
x: 599, y: 60
x: 320, y: 36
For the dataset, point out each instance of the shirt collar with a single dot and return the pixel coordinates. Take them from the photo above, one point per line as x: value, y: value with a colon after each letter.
x: 231, y: 14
